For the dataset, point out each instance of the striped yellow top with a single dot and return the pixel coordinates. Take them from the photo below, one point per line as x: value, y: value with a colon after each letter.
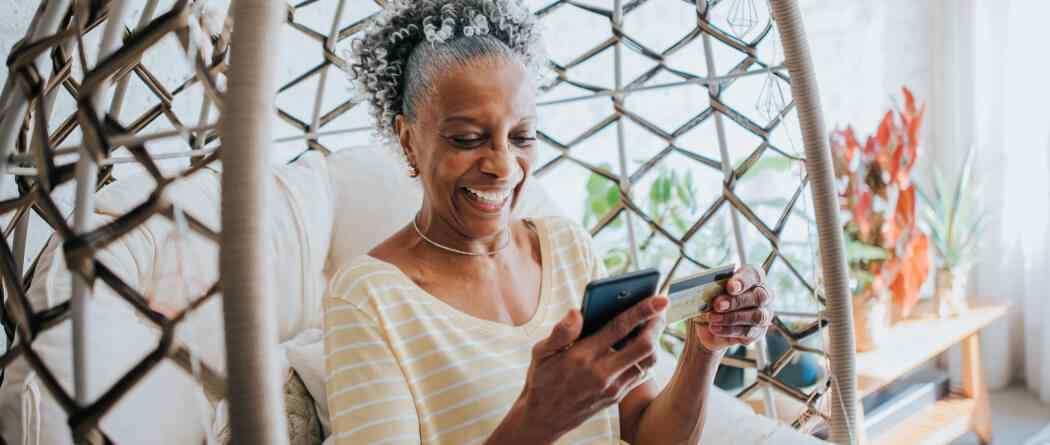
x: 405, y: 367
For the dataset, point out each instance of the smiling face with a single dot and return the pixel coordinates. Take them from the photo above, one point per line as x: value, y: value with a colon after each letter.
x: 473, y: 141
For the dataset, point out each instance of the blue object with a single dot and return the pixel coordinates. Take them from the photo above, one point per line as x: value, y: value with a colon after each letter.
x: 802, y: 372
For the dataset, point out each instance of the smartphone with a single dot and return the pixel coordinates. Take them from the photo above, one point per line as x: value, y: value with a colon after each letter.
x: 606, y: 298
x: 691, y: 296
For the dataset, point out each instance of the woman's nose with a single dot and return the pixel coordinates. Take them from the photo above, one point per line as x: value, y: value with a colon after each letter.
x: 499, y: 160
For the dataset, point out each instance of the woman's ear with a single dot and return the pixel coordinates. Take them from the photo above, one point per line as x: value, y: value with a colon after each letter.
x: 404, y: 137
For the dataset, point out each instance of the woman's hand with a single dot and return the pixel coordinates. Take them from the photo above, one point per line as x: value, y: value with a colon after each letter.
x: 740, y: 316
x: 571, y: 379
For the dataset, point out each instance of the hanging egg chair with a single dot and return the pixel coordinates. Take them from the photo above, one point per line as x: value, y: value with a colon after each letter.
x: 176, y: 99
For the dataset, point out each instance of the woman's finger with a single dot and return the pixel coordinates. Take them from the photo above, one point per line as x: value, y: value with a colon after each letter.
x: 747, y: 277
x: 755, y: 297
x: 756, y: 333
x: 625, y: 323
x: 745, y: 317
x: 564, y: 333
x: 625, y: 382
x: 738, y: 332
x: 636, y: 351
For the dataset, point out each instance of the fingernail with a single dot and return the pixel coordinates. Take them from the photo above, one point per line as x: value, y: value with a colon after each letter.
x: 570, y: 317
x: 659, y: 303
x: 722, y: 306
x: 734, y: 286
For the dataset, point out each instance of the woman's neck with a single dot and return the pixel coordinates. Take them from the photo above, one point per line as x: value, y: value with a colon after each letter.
x: 439, y: 234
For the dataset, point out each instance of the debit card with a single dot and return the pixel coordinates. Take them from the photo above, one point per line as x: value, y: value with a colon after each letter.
x: 692, y: 295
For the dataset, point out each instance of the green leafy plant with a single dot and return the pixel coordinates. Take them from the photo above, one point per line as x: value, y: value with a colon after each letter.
x: 954, y: 217
x: 672, y: 202
x: 602, y: 197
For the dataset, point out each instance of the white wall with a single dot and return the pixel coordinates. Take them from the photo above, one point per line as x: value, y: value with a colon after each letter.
x: 865, y: 51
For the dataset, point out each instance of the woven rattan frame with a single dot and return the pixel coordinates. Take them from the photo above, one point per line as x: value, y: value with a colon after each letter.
x: 31, y: 146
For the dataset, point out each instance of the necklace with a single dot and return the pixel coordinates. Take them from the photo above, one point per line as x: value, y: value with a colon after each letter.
x: 454, y: 250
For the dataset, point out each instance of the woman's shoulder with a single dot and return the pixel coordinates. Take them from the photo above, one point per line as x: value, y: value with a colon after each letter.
x: 365, y: 278
x: 561, y: 229
x: 570, y: 243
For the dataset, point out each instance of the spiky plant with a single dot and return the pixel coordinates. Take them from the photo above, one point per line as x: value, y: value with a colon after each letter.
x: 954, y: 217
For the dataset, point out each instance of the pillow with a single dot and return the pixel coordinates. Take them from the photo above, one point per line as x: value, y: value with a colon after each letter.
x: 305, y: 356
x: 301, y: 413
x: 119, y: 339
x: 301, y: 417
x: 373, y: 197
x: 300, y: 213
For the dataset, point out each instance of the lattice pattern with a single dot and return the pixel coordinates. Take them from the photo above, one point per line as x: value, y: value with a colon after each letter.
x: 611, y: 78
x: 616, y: 101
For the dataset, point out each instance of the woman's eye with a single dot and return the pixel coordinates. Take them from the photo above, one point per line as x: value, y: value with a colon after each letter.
x: 524, y: 141
x: 467, y: 142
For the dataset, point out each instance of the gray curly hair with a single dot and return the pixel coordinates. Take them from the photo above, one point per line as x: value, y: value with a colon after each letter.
x: 393, y: 62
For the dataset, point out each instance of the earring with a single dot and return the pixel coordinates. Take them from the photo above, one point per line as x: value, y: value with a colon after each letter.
x: 413, y: 172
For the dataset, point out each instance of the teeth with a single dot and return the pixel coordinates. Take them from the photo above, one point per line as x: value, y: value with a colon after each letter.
x: 496, y: 197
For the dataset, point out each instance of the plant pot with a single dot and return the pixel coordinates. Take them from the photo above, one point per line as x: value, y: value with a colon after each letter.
x: 870, y: 320
x: 949, y: 296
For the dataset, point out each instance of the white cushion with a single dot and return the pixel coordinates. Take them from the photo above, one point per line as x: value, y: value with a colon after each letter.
x: 119, y: 339
x: 166, y: 406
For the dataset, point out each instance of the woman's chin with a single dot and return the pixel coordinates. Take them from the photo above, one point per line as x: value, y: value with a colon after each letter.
x: 485, y: 221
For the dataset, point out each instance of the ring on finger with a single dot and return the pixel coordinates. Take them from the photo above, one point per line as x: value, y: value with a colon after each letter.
x: 761, y: 286
x: 754, y: 331
x: 644, y: 368
x: 643, y: 374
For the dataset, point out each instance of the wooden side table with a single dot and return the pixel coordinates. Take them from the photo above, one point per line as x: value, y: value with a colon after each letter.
x: 909, y: 345
x: 912, y: 343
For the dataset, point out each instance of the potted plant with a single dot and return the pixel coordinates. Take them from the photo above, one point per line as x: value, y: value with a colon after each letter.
x: 955, y: 220
x: 887, y: 253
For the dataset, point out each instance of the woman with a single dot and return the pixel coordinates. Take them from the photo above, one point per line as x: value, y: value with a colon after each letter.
x: 463, y: 327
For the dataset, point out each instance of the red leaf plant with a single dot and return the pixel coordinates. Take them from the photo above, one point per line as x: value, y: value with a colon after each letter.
x: 885, y: 246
